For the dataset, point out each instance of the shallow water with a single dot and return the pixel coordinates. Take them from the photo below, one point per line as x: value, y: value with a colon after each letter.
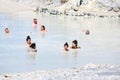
x: 102, y: 46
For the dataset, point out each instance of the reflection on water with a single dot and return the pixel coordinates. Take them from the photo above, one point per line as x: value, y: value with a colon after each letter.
x: 74, y: 53
x: 32, y: 55
x: 43, y: 34
x: 102, y: 46
x: 6, y: 35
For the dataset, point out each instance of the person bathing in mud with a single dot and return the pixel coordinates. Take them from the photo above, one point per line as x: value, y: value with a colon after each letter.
x: 6, y: 30
x: 28, y: 41
x: 33, y: 47
x: 30, y: 46
x: 66, y: 46
x: 35, y: 22
x: 42, y: 28
x: 87, y: 32
x: 75, y: 45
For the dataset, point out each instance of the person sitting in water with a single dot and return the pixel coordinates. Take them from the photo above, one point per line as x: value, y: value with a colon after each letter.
x: 28, y: 40
x: 87, y: 32
x: 35, y: 22
x: 75, y: 44
x: 66, y: 46
x: 42, y: 28
x: 33, y: 47
x: 6, y: 30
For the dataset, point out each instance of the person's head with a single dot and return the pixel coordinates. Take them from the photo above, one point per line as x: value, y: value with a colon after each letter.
x: 6, y: 30
x: 75, y: 43
x: 28, y: 40
x: 87, y: 32
x: 35, y: 21
x: 33, y: 46
x: 42, y: 27
x: 66, y: 46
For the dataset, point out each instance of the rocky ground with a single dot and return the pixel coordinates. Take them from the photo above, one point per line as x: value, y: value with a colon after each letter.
x: 99, y: 8
x: 93, y: 8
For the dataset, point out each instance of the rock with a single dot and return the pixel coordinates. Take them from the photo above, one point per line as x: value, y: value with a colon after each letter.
x: 6, y: 76
x: 54, y: 12
x: 102, y: 16
x: 43, y: 10
x: 116, y: 9
x: 118, y: 15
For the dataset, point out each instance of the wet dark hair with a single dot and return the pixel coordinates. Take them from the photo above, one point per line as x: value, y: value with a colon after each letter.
x: 28, y: 37
x: 66, y: 44
x: 33, y: 46
x: 43, y: 27
x: 87, y: 32
x: 75, y: 42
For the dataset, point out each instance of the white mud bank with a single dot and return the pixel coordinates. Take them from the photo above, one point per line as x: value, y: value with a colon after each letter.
x: 87, y: 72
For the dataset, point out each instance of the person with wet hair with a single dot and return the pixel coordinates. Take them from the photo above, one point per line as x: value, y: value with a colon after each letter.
x: 35, y: 22
x: 66, y: 47
x: 28, y: 40
x: 75, y: 44
x: 33, y: 47
x: 87, y: 32
x: 42, y: 28
x: 6, y: 30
